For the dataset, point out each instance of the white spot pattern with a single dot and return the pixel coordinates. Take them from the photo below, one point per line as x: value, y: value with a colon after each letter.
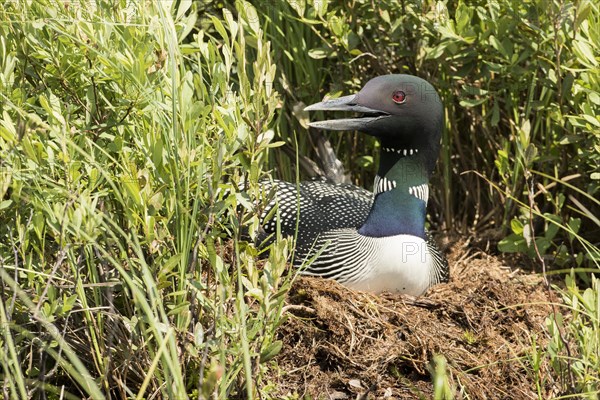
x: 320, y: 206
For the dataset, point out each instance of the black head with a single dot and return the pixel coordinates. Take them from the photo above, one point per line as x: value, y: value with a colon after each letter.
x: 402, y: 111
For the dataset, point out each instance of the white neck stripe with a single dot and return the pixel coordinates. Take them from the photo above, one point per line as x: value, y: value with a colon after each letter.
x: 383, y: 184
x: 421, y: 192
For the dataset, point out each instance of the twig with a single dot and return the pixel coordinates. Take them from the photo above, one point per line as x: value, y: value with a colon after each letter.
x: 296, y: 307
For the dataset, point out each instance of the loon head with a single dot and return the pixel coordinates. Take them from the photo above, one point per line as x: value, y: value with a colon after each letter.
x: 402, y: 111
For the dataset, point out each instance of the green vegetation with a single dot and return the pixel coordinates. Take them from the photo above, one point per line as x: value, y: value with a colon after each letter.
x: 127, y: 127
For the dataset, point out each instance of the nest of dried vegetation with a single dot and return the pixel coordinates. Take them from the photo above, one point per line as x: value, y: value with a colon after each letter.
x: 342, y: 344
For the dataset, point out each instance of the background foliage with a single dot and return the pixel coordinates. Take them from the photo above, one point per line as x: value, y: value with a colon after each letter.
x: 126, y: 128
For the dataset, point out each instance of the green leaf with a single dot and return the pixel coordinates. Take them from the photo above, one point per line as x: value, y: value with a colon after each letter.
x: 220, y: 28
x: 568, y: 139
x: 271, y: 351
x: 495, y: 114
x: 275, y: 144
x: 251, y: 16
x: 385, y: 16
x: 184, y: 5
x: 68, y: 303
x: 468, y: 103
x: 543, y: 244
x: 7, y: 131
x: 589, y: 300
x: 573, y: 224
x: 198, y: 334
x: 516, y: 226
x: 530, y: 154
x: 170, y: 264
x: 584, y: 53
x: 552, y: 227
x: 592, y: 120
x: 319, y: 53
x: 512, y: 244
x: 498, y: 45
x: 594, y: 97
x: 463, y: 17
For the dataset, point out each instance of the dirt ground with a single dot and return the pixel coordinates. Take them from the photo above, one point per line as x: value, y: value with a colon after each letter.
x: 341, y: 344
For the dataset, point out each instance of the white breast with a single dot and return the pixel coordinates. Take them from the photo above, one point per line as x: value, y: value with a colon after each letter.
x: 400, y: 263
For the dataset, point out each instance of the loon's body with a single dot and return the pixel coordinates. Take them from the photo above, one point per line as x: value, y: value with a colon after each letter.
x: 371, y: 241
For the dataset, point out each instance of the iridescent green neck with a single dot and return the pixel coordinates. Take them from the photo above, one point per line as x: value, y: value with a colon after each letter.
x: 401, y: 192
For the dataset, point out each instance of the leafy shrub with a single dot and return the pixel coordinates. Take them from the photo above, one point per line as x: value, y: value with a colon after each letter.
x: 121, y: 151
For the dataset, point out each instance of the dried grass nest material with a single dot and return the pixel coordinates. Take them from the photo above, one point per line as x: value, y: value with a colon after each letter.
x: 343, y: 344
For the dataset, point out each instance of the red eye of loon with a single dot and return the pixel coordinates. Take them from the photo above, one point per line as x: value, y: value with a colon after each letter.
x: 399, y: 97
